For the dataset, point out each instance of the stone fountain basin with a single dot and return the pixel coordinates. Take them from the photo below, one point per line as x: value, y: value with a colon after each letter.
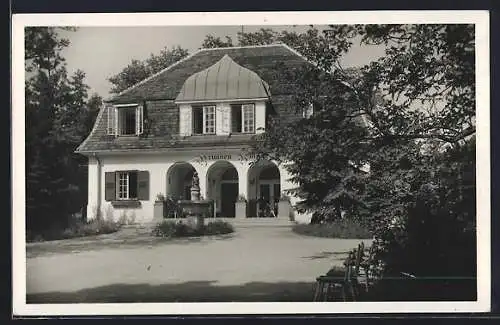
x: 200, y: 207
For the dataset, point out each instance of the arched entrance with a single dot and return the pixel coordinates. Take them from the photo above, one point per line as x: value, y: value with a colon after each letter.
x: 264, y: 189
x: 179, y: 177
x: 222, y: 187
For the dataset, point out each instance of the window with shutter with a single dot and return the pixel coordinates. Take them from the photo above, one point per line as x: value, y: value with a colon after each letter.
x: 109, y: 187
x: 208, y: 119
x: 248, y: 118
x: 226, y: 119
x: 111, y: 111
x: 185, y: 117
x: 143, y: 185
x: 127, y: 119
x: 139, y: 112
x: 236, y: 118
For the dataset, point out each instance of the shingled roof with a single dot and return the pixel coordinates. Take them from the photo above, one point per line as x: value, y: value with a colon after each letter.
x: 159, y: 92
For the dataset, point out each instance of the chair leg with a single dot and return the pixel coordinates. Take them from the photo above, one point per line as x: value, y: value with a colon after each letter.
x: 326, y: 292
x: 344, y: 293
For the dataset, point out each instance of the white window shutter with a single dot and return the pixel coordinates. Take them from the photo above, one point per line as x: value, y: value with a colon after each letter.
x: 111, y: 111
x: 139, y: 113
x: 117, y: 118
x: 225, y: 120
x: 185, y: 120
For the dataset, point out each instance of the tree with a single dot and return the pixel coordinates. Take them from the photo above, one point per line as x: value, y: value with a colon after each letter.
x: 417, y: 105
x: 57, y: 115
x: 211, y: 41
x: 261, y: 37
x: 139, y: 70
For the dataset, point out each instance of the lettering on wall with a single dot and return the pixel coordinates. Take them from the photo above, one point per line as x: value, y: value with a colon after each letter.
x: 204, y: 158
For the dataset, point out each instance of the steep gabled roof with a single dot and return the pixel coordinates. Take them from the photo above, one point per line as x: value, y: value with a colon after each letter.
x: 261, y: 60
x: 158, y: 92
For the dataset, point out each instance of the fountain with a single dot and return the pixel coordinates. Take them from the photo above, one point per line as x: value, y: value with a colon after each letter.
x: 195, y: 209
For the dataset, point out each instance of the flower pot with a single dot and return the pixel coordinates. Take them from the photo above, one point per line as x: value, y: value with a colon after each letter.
x: 284, y: 209
x: 241, y: 209
x: 158, y: 211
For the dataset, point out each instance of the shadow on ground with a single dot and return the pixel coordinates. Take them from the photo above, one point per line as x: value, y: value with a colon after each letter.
x: 193, y: 291
x: 209, y: 291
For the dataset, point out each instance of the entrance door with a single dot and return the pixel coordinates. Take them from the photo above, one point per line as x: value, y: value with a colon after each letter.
x: 228, y: 196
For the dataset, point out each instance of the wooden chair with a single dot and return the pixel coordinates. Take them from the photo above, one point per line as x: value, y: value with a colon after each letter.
x: 365, y: 276
x: 353, y: 280
x: 328, y: 286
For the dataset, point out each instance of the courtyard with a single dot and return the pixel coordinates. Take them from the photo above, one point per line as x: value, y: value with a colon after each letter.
x: 255, y: 263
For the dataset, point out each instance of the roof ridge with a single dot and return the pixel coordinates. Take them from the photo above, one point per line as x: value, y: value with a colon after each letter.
x: 155, y: 74
x: 241, y: 46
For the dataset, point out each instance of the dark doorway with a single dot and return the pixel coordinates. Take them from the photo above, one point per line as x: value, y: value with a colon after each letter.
x: 229, y: 194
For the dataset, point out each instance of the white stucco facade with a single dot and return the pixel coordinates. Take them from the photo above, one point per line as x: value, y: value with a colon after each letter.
x: 160, y: 165
x: 153, y: 141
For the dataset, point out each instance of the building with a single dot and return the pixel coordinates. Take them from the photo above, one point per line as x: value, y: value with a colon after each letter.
x: 197, y: 115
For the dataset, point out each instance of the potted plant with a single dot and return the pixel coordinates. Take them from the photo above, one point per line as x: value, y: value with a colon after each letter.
x: 284, y: 206
x: 241, y: 207
x: 160, y: 197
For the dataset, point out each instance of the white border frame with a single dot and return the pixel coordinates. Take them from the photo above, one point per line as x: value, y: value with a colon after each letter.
x: 479, y: 18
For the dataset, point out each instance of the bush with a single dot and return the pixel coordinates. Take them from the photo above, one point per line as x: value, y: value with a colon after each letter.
x: 93, y: 227
x: 179, y: 229
x: 218, y: 227
x: 344, y: 228
x: 77, y: 228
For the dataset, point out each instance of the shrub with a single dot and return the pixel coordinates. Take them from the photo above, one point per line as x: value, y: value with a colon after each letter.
x: 174, y: 229
x: 77, y: 228
x: 344, y: 228
x: 218, y: 227
x: 93, y: 227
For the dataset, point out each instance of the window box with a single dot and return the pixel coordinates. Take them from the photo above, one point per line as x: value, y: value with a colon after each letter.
x: 126, y: 204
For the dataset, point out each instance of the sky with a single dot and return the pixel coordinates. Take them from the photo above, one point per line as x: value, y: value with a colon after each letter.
x: 102, y: 52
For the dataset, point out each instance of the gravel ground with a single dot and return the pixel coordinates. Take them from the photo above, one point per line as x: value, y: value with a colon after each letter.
x: 252, y: 264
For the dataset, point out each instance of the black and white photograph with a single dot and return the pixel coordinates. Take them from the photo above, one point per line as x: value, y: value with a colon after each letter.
x: 251, y: 163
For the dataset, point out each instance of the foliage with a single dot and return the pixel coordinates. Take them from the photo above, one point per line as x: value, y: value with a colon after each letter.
x: 410, y: 117
x: 172, y: 229
x: 432, y: 232
x: 285, y: 197
x: 59, y: 115
x: 172, y: 207
x: 139, y: 70
x: 218, y: 227
x: 211, y: 41
x: 341, y: 228
x: 76, y: 228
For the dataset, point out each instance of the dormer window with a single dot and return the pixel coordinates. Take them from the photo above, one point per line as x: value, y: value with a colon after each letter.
x: 222, y: 99
x: 125, y: 119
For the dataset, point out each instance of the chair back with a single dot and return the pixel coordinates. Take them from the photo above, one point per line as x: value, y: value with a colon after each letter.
x: 348, y: 267
x: 359, y: 256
